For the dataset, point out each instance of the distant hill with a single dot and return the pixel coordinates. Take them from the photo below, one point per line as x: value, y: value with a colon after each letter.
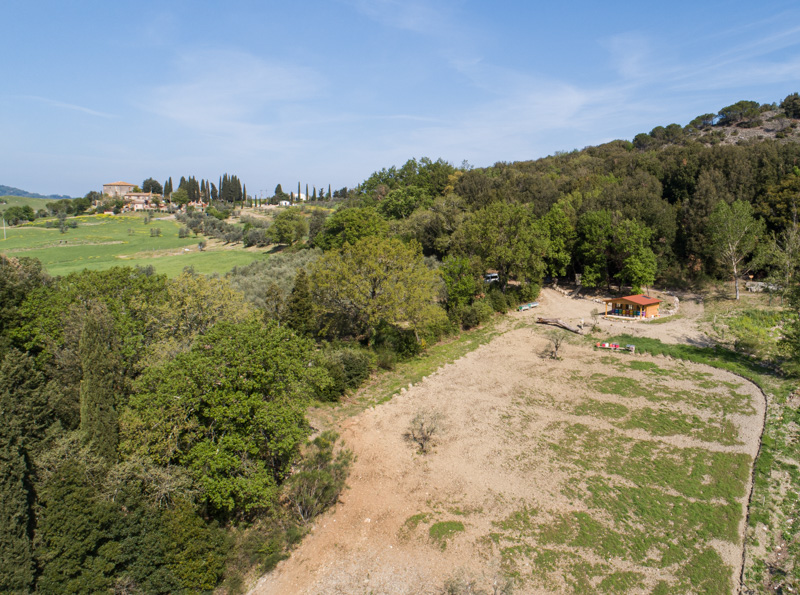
x: 10, y: 191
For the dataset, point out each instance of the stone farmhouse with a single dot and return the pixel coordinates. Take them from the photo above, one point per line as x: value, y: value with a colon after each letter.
x: 118, y: 189
x: 134, y: 201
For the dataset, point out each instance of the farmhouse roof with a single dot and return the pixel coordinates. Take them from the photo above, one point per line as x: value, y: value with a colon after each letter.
x: 641, y: 300
x: 119, y: 184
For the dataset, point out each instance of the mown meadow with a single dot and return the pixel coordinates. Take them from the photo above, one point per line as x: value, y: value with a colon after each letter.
x: 100, y: 242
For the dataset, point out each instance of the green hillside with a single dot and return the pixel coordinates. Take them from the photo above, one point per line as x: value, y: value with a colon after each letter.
x: 23, y: 201
x: 100, y: 242
x: 11, y: 191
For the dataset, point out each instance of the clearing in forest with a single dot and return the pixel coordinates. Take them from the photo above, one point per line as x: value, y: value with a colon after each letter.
x: 595, y: 473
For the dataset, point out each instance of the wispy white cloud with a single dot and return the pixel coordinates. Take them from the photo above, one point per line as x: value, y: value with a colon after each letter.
x: 69, y: 106
x: 733, y: 75
x: 630, y: 54
x: 236, y: 101
x: 244, y: 105
x: 217, y: 88
x: 761, y: 55
x: 412, y: 15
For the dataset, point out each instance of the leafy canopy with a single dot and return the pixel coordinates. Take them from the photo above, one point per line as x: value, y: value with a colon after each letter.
x: 506, y: 238
x: 375, y: 281
x: 230, y: 410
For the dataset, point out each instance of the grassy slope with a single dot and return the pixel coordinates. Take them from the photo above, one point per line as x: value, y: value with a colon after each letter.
x: 100, y: 242
x: 21, y: 201
x: 652, y: 505
x: 775, y: 501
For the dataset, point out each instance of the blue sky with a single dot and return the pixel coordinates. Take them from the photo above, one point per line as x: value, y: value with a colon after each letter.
x: 326, y: 92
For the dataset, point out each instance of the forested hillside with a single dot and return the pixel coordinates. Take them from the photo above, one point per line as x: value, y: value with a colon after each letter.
x: 11, y: 191
x: 155, y: 437
x: 591, y: 211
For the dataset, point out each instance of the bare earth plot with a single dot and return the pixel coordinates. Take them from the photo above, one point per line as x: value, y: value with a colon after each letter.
x: 596, y: 473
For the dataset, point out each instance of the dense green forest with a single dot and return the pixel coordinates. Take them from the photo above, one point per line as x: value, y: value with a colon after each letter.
x: 155, y: 437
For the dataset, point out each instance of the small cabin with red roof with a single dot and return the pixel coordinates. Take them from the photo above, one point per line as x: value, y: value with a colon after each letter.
x: 632, y: 306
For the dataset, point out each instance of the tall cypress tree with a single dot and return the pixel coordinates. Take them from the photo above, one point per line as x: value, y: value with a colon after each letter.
x: 224, y: 189
x: 25, y: 416
x: 16, y: 516
x: 101, y: 362
x: 299, y: 307
x: 74, y: 525
x: 24, y: 399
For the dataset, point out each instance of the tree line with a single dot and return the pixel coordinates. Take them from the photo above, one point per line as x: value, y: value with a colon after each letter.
x: 150, y: 425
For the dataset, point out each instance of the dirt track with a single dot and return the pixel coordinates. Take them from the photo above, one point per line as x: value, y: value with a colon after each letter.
x: 491, y: 459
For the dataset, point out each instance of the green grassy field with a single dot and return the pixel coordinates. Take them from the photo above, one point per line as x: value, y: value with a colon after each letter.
x: 103, y: 241
x: 21, y: 201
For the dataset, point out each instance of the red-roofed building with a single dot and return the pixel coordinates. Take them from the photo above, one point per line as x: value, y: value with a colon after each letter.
x: 632, y: 306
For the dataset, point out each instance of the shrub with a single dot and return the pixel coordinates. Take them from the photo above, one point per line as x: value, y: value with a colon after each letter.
x: 357, y: 365
x: 557, y: 339
x: 425, y: 425
x: 217, y: 214
x: 321, y: 478
x: 456, y: 315
x: 440, y: 326
x: 526, y: 292
x: 476, y: 314
x: 338, y: 385
x: 498, y: 301
x: 402, y: 341
x: 233, y: 235
x: 385, y: 359
x: 255, y: 237
x: 348, y: 367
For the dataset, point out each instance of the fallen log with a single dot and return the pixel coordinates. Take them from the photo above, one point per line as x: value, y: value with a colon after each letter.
x: 558, y: 322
